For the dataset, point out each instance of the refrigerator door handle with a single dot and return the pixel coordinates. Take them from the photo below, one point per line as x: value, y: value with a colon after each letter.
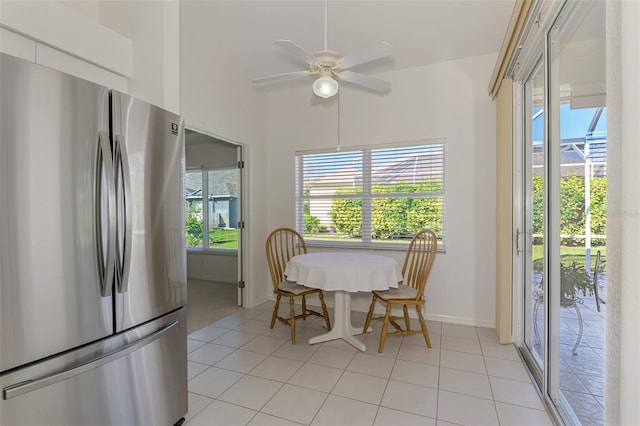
x: 105, y: 164
x: 124, y: 257
x: 31, y: 385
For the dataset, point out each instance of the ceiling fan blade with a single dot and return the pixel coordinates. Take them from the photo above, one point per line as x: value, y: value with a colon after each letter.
x: 367, y: 55
x: 296, y: 51
x: 373, y: 83
x: 293, y: 74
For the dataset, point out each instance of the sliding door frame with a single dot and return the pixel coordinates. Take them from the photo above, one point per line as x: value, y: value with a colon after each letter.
x: 536, y: 44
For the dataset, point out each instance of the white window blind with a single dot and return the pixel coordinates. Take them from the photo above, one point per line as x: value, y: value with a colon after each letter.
x: 371, y: 196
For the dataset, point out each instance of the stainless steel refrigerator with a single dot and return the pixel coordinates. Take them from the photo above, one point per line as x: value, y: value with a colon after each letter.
x: 92, y: 254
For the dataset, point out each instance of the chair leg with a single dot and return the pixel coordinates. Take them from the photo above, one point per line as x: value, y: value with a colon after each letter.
x: 383, y: 333
x: 370, y: 314
x: 536, y: 308
x: 292, y: 321
x: 425, y: 331
x: 407, y: 322
x: 275, y: 311
x: 575, y: 347
x: 304, y: 308
x: 327, y: 321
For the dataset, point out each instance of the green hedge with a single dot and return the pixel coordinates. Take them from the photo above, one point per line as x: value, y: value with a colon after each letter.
x: 396, y: 217
x: 392, y: 217
x: 572, y: 212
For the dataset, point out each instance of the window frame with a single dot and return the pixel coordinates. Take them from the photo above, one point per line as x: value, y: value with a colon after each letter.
x: 205, y: 249
x: 367, y: 195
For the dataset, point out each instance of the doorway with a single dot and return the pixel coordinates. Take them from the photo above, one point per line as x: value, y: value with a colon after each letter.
x: 214, y: 225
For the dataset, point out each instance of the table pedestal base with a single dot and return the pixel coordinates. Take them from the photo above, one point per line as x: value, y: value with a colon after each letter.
x: 342, y: 328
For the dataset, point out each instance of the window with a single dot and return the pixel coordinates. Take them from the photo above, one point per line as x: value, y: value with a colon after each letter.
x: 372, y: 197
x: 219, y: 187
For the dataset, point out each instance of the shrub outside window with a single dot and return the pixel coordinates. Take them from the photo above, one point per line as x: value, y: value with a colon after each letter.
x: 371, y: 196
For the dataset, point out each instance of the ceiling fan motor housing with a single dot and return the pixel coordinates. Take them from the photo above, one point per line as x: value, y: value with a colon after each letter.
x: 326, y: 64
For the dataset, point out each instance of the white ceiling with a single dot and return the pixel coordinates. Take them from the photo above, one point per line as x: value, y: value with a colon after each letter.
x: 422, y: 31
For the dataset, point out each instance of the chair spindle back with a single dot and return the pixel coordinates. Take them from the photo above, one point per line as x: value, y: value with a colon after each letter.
x: 282, y: 245
x: 419, y: 259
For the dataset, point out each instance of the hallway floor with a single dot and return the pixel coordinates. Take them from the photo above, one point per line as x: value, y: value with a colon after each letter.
x: 209, y: 301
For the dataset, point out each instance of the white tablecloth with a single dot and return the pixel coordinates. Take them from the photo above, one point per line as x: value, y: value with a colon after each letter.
x: 343, y: 271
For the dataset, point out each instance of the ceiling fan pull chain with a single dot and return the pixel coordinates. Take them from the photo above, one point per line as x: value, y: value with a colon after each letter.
x: 338, y: 147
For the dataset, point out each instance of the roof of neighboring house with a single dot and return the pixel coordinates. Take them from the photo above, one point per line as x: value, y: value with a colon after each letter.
x: 222, y: 183
x: 411, y: 168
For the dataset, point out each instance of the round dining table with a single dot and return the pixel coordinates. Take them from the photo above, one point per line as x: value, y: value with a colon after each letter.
x: 343, y: 273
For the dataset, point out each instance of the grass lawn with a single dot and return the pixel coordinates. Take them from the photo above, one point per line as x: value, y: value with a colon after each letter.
x: 223, y: 238
x: 570, y: 254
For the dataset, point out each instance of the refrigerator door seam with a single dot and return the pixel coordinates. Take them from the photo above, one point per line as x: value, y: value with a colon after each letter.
x: 31, y: 385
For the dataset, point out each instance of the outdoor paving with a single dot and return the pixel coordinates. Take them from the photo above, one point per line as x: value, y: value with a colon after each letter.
x: 582, y: 374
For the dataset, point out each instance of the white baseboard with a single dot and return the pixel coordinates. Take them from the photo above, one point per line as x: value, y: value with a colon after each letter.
x: 460, y: 320
x: 261, y: 301
x: 359, y: 305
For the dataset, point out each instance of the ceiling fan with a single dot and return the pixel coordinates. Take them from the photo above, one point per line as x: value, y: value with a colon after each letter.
x: 330, y: 66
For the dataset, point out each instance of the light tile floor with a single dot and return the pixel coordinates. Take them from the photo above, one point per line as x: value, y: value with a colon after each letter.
x: 241, y: 372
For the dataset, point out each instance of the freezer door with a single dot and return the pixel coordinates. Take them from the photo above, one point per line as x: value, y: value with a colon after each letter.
x: 54, y: 250
x: 151, y: 261
x: 134, y: 378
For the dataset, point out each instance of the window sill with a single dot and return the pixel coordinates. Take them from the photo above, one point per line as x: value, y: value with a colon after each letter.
x: 212, y: 252
x: 356, y: 246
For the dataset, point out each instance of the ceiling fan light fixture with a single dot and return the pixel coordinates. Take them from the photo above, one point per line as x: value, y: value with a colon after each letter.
x: 325, y: 87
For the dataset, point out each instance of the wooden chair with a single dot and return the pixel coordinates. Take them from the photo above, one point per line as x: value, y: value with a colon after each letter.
x: 282, y: 245
x: 415, y: 271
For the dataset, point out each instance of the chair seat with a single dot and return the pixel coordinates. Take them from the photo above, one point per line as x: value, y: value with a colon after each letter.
x: 402, y: 292
x: 293, y: 287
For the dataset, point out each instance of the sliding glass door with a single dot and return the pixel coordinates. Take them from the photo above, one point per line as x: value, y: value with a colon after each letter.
x: 578, y: 139
x: 563, y: 225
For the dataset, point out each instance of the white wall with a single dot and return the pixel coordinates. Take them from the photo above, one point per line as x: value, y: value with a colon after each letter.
x: 129, y: 46
x: 623, y: 219
x: 153, y: 28
x: 217, y: 98
x: 447, y: 100
x: 212, y: 155
x: 212, y: 267
x: 64, y: 28
x: 59, y: 37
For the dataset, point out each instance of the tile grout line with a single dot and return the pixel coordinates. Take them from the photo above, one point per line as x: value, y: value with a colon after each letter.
x: 439, y: 375
x: 493, y: 396
x: 395, y: 360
